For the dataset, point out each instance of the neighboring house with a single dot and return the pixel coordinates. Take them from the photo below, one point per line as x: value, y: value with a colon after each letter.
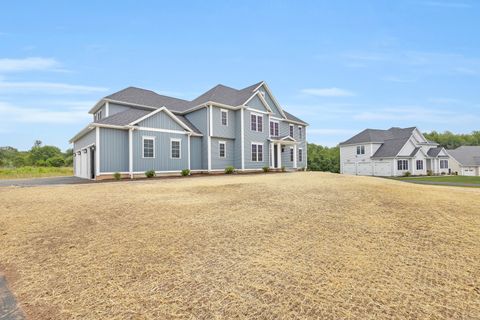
x: 392, y: 152
x: 135, y: 130
x: 465, y: 160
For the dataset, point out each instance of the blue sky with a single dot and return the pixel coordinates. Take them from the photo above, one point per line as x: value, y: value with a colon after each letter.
x: 340, y: 65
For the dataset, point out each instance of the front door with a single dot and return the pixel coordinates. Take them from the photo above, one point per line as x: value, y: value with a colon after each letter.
x: 275, y: 156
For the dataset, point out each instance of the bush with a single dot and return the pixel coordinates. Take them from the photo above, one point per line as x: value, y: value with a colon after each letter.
x: 266, y: 169
x: 443, y: 173
x: 407, y: 174
x: 229, y: 170
x: 41, y: 163
x: 56, y: 161
x: 185, y: 172
x: 284, y: 169
x: 429, y: 172
x: 150, y: 173
x: 117, y: 176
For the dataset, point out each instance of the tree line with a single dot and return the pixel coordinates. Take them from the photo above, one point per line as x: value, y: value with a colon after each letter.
x: 38, y: 156
x: 450, y: 140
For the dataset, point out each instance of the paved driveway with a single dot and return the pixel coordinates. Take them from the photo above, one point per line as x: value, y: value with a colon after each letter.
x: 443, y: 183
x: 43, y: 181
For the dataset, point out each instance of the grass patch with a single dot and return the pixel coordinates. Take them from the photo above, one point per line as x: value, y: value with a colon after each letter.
x: 34, y: 172
x: 454, y: 179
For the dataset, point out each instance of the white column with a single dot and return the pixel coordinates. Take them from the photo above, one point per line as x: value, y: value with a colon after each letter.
x: 107, y: 109
x: 295, y: 156
x: 272, y: 156
x: 242, y: 138
x: 209, y: 149
x: 189, y: 155
x: 130, y: 153
x: 306, y: 150
x: 279, y: 155
x: 97, y: 151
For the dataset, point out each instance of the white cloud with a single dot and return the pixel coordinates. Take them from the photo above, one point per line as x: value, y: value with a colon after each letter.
x: 47, y: 87
x: 27, y: 64
x: 17, y: 114
x: 327, y: 92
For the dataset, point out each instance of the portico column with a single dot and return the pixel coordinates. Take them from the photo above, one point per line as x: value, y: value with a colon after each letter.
x: 272, y: 156
x: 295, y: 156
x: 279, y: 155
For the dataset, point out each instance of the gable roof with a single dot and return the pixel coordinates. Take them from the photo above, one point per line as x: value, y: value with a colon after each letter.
x: 390, y: 147
x: 466, y: 155
x: 147, y: 98
x: 226, y: 95
x: 433, y: 152
x: 379, y: 136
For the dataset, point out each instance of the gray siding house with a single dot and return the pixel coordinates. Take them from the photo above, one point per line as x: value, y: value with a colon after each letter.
x: 135, y: 130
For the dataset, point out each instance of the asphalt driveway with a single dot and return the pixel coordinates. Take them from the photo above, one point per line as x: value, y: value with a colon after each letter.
x: 43, y: 181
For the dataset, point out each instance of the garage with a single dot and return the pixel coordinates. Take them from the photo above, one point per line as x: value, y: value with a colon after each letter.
x: 349, y: 168
x: 383, y: 169
x: 84, y: 163
x: 364, y: 169
x: 468, y: 171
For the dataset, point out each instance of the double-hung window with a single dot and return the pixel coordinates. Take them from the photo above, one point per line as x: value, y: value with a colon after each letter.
x: 402, y: 165
x: 300, y: 133
x: 224, y: 117
x: 256, y: 122
x: 360, y: 150
x: 419, y: 164
x: 300, y: 155
x: 257, y: 152
x: 222, y: 147
x: 175, y: 148
x: 291, y: 154
x: 98, y: 115
x: 443, y: 164
x: 291, y: 130
x: 148, y: 147
x: 273, y: 128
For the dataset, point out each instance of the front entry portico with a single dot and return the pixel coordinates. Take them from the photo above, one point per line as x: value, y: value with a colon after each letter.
x: 276, y: 151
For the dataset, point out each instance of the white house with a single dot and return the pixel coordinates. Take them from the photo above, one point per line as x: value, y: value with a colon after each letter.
x: 465, y: 160
x: 392, y: 152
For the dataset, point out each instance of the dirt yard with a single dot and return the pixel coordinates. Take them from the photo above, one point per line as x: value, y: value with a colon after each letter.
x: 276, y: 246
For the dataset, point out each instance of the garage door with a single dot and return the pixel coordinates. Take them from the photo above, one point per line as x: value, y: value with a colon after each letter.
x: 349, y: 168
x: 468, y: 171
x: 364, y: 169
x: 383, y: 169
x: 77, y: 165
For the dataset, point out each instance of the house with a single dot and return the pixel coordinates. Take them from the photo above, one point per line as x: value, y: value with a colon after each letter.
x: 392, y: 152
x: 135, y: 130
x: 465, y: 160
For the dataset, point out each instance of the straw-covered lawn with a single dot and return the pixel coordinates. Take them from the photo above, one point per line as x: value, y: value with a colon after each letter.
x: 277, y: 246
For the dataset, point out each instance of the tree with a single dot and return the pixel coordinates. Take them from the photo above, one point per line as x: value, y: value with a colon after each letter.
x: 56, y: 161
x: 322, y: 158
x: 43, y: 153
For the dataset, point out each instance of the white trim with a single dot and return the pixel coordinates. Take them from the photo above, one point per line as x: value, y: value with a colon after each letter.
x: 291, y: 132
x: 111, y: 126
x: 263, y: 151
x: 97, y: 151
x: 300, y: 129
x: 262, y: 100
x: 210, y: 126
x: 168, y: 112
x: 224, y: 149
x: 257, y: 111
x: 99, y: 104
x: 300, y: 151
x: 188, y: 151
x: 295, y: 164
x: 221, y: 117
x: 279, y: 155
x: 257, y: 115
x: 269, y: 131
x: 82, y: 132
x: 143, y: 146
x: 160, y: 130
x: 107, y: 109
x: 273, y: 98
x: 291, y: 121
x: 306, y: 150
x: 179, y: 148
x: 272, y: 156
x: 130, y: 153
x: 242, y: 140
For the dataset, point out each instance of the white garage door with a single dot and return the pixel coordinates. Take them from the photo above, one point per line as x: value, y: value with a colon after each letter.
x: 349, y: 168
x: 77, y: 165
x: 383, y: 169
x: 364, y: 169
x: 468, y: 171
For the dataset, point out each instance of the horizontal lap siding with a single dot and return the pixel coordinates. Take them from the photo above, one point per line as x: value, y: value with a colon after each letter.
x: 195, y: 153
x: 220, y: 130
x: 162, y: 161
x: 254, y: 136
x: 84, y: 141
x: 113, y: 150
x: 222, y: 163
x: 255, y: 103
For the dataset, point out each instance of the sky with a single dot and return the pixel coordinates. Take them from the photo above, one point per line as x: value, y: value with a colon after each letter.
x: 342, y: 66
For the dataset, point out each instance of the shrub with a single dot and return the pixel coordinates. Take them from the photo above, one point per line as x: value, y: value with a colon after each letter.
x: 150, y: 173
x: 443, y: 173
x: 41, y: 163
x: 185, y: 172
x: 266, y: 169
x: 56, y: 161
x: 229, y: 170
x: 284, y: 169
x: 117, y: 176
x: 407, y: 174
x: 429, y: 172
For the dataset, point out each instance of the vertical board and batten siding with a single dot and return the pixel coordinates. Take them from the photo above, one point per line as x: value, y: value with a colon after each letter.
x: 255, y: 103
x: 220, y: 130
x: 162, y: 160
x: 254, y: 136
x: 114, y: 108
x: 84, y: 141
x: 113, y: 150
x: 196, y: 153
x: 199, y: 118
x: 222, y: 163
x: 161, y: 120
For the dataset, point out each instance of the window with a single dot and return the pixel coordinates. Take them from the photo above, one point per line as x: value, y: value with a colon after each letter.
x: 256, y: 122
x: 300, y: 133
x: 300, y: 155
x: 175, y: 148
x: 222, y: 146
x: 291, y: 154
x: 148, y: 147
x: 224, y: 116
x: 402, y: 165
x: 257, y: 152
x: 419, y: 164
x: 360, y: 150
x: 443, y: 164
x: 98, y: 115
x: 291, y: 130
x: 273, y: 128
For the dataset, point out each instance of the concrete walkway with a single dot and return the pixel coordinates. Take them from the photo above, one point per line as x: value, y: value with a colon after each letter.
x: 9, y: 309
x: 43, y: 182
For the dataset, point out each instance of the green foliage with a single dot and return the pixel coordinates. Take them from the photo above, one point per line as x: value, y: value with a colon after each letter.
x: 429, y: 172
x: 56, y: 161
x: 150, y: 173
x: 44, y: 153
x: 117, y: 176
x: 185, y: 172
x: 284, y: 169
x: 322, y: 158
x: 266, y: 169
x: 451, y: 140
x: 407, y: 174
x: 38, y: 155
x: 229, y: 170
x: 34, y: 172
